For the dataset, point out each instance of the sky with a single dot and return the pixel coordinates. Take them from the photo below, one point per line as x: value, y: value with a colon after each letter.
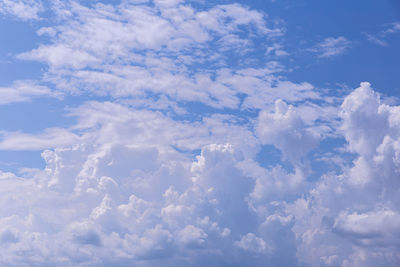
x: 199, y: 133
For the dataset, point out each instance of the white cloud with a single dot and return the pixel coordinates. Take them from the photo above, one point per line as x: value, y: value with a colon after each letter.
x: 374, y: 227
x: 135, y: 183
x: 51, y: 138
x: 286, y: 130
x: 331, y: 46
x: 381, y: 38
x: 24, y: 91
x: 349, y: 219
x: 121, y: 188
x: 192, y: 236
x: 376, y: 40
x: 167, y: 3
x: 360, y: 110
x: 22, y: 9
x: 131, y: 50
x: 252, y: 243
x: 277, y: 50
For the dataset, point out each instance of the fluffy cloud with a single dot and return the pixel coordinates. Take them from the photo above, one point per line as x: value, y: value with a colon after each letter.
x: 123, y: 194
x: 133, y: 50
x: 359, y: 207
x: 163, y: 167
x: 287, y: 131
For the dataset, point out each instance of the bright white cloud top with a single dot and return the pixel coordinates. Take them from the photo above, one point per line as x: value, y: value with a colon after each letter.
x: 173, y: 134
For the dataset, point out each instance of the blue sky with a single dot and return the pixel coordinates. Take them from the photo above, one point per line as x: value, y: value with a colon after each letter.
x: 201, y: 133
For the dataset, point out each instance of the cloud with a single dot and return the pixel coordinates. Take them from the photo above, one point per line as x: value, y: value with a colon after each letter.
x: 286, y: 130
x: 277, y: 50
x: 375, y: 227
x: 51, y: 138
x: 356, y: 207
x: 331, y: 46
x: 381, y: 38
x: 166, y: 170
x: 252, y: 243
x: 122, y: 193
x: 24, y: 91
x: 376, y: 40
x: 22, y: 9
x: 133, y: 49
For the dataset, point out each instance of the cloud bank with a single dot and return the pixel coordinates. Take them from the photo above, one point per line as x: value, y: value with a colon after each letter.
x: 166, y: 171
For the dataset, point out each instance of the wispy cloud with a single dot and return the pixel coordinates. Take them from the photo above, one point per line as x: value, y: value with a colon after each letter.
x: 381, y: 38
x: 50, y: 139
x: 331, y: 46
x: 375, y: 39
x: 24, y: 91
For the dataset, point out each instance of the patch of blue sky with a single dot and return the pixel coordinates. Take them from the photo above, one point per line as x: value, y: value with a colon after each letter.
x: 329, y: 157
x: 196, y: 111
x: 269, y: 156
x: 40, y: 113
x: 33, y: 117
x: 15, y: 161
x: 17, y: 37
x: 361, y: 61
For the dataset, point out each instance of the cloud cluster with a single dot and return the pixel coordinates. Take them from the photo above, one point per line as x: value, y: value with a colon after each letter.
x: 358, y: 208
x: 126, y: 192
x: 166, y: 171
x: 137, y: 50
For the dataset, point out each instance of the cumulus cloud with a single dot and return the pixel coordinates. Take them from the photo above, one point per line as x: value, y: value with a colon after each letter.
x: 123, y: 194
x: 286, y: 130
x: 252, y: 243
x: 356, y: 207
x: 166, y: 170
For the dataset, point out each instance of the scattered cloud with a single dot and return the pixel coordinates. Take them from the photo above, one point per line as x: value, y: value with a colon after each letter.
x: 381, y: 37
x: 277, y: 50
x: 131, y: 50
